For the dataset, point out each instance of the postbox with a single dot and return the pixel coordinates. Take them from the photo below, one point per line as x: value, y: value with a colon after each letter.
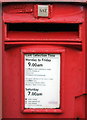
x: 44, y: 60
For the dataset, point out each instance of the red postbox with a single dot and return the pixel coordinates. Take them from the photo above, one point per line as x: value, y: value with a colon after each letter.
x: 44, y: 46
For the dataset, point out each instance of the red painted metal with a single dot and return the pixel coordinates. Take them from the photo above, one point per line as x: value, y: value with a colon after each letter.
x: 61, y: 14
x: 71, y: 45
x: 70, y: 1
x: 0, y: 61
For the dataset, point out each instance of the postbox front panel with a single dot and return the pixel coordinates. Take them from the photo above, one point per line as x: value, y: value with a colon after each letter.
x: 15, y: 91
x: 41, y: 67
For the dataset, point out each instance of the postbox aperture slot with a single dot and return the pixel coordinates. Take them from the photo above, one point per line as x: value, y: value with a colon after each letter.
x: 38, y: 27
x: 42, y: 31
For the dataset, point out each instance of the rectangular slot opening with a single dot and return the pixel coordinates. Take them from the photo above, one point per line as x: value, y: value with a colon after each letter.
x: 42, y: 31
x: 38, y: 27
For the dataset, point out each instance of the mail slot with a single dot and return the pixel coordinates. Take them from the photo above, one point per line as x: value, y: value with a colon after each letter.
x: 43, y: 60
